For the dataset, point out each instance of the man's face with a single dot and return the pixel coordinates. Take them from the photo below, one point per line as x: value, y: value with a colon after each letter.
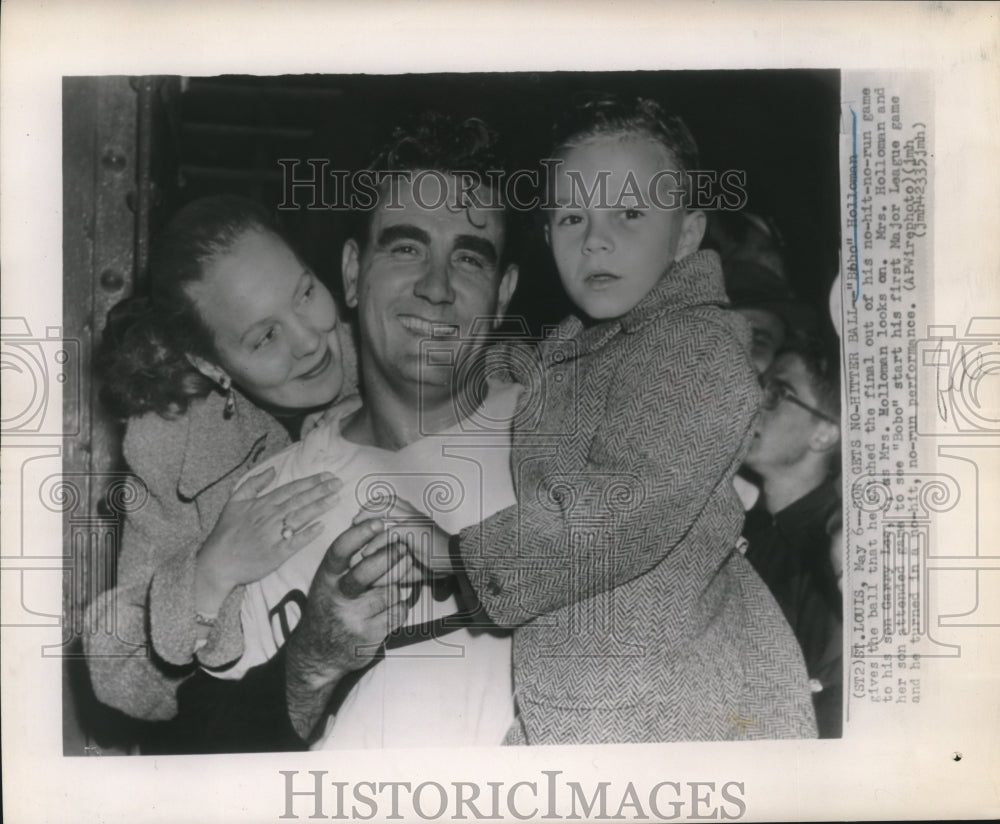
x: 787, y: 433
x: 425, y: 270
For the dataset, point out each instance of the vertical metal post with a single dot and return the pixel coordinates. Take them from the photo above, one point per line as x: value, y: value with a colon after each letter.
x: 100, y: 165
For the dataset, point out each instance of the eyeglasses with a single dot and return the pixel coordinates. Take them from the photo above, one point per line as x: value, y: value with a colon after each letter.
x: 776, y: 391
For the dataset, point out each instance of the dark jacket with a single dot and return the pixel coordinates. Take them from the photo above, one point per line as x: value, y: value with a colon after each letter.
x: 791, y: 552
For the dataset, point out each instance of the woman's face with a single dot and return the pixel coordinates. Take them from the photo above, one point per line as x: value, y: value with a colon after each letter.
x: 274, y: 323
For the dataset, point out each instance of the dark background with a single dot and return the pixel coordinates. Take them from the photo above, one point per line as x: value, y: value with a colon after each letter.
x: 781, y: 127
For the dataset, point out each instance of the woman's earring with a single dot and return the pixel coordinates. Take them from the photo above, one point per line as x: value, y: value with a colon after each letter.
x: 230, y: 408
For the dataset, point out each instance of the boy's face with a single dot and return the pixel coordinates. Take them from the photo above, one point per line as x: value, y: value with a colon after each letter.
x: 613, y: 247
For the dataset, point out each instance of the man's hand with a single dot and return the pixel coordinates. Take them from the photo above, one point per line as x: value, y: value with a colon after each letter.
x: 404, y: 523
x: 339, y: 631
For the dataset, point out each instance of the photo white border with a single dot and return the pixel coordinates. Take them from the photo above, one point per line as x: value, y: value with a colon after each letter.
x: 903, y: 772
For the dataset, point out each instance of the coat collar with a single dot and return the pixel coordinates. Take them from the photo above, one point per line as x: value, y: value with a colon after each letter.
x: 216, y: 447
x: 693, y: 281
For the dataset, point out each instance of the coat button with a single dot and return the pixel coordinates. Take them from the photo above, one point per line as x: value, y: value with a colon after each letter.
x: 493, y: 586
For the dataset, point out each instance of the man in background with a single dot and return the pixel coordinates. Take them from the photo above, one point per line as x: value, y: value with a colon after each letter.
x: 795, y: 456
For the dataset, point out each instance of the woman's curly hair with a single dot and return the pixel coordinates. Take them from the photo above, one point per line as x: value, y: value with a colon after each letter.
x: 142, y: 360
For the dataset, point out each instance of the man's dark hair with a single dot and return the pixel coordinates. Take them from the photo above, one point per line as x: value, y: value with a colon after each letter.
x: 609, y: 115
x: 437, y: 142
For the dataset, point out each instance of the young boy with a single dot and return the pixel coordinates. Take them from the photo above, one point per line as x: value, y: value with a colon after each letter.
x: 636, y: 618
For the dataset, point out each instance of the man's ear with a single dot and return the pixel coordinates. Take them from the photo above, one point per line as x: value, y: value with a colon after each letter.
x: 692, y: 231
x: 825, y: 436
x: 350, y: 263
x: 210, y: 370
x: 548, y: 234
x: 508, y: 283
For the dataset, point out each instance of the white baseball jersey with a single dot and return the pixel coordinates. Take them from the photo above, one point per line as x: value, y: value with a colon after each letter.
x: 434, y: 684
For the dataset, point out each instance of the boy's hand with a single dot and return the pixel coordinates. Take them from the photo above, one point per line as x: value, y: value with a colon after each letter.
x: 404, y: 523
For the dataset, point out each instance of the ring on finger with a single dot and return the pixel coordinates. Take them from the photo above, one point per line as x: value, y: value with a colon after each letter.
x: 286, y: 531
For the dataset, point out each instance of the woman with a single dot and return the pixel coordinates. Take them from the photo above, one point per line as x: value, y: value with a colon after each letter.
x: 237, y: 341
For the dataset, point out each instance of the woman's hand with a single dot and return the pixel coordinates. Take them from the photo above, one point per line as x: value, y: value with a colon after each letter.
x: 255, y: 535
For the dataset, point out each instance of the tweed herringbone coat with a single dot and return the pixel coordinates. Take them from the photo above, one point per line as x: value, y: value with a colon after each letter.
x: 637, y: 619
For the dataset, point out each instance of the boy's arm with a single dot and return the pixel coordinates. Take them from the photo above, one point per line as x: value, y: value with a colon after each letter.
x: 675, y: 431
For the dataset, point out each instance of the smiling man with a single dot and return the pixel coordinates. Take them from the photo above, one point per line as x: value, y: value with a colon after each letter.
x: 421, y: 270
x: 428, y: 264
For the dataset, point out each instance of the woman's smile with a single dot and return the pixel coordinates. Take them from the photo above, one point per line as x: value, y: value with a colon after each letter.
x: 321, y: 367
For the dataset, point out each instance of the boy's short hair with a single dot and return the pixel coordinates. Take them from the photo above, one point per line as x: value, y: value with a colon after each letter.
x: 610, y: 115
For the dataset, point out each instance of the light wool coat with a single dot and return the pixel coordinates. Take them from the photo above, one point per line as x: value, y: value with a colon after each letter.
x: 140, y: 646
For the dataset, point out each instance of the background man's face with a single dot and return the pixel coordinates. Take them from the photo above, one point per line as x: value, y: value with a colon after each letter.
x: 784, y: 433
x: 426, y: 268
